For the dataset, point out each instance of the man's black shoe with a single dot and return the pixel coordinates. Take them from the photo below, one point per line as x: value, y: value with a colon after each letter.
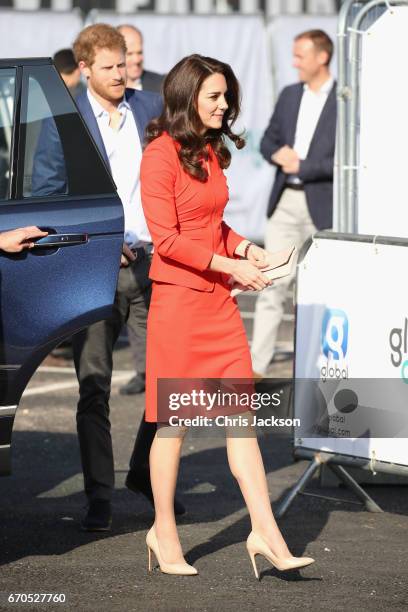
x: 134, y: 386
x: 139, y: 482
x: 99, y: 516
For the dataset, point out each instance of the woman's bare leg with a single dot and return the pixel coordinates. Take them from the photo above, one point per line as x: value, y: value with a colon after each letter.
x: 164, y: 464
x: 245, y: 461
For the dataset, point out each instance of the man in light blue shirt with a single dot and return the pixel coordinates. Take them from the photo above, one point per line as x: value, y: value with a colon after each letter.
x: 116, y: 118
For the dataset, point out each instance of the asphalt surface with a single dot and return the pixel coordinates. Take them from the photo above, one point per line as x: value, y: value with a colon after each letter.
x: 361, y: 558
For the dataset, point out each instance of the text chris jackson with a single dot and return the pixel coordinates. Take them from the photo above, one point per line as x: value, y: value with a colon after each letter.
x: 233, y: 421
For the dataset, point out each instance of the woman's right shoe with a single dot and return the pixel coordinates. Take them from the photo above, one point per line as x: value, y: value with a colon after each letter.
x: 181, y: 569
x: 257, y: 546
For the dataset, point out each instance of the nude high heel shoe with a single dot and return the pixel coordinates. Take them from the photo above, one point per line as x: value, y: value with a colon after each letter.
x: 257, y: 546
x: 181, y: 569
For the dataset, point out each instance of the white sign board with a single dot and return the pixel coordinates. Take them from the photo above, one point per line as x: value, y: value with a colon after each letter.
x: 352, y: 340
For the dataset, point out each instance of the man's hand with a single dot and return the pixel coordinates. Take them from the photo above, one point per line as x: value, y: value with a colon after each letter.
x: 127, y: 256
x: 19, y: 239
x: 285, y: 156
x: 291, y: 167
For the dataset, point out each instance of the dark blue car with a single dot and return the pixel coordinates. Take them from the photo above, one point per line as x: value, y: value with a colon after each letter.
x: 53, y: 290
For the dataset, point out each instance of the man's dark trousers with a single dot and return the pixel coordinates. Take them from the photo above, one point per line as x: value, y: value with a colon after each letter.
x: 93, y: 356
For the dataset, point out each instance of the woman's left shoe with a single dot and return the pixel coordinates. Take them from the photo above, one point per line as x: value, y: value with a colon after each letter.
x: 257, y: 546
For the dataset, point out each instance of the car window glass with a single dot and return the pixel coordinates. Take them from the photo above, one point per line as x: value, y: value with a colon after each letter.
x: 44, y: 170
x: 7, y: 86
x: 60, y: 158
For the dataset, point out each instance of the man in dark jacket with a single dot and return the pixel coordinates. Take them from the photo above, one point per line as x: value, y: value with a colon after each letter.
x: 300, y: 142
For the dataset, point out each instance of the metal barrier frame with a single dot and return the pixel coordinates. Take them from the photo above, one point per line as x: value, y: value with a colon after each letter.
x: 349, y: 57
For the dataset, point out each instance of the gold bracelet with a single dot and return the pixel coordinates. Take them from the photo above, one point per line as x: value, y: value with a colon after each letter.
x: 247, y: 249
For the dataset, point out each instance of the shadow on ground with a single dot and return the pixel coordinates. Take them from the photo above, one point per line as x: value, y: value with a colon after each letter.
x: 42, y: 503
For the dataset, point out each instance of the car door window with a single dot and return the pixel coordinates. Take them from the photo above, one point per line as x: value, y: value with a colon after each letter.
x: 7, y: 88
x: 59, y: 156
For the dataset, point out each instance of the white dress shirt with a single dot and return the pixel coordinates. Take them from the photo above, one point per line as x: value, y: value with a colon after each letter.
x: 124, y: 152
x: 311, y: 106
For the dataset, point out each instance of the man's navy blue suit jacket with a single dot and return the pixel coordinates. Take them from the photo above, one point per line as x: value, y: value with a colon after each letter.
x: 316, y: 171
x: 49, y: 173
x: 145, y: 105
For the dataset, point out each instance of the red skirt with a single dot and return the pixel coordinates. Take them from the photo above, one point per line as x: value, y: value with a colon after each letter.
x: 193, y: 334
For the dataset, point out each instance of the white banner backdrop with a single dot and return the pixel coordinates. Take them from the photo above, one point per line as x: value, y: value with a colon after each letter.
x: 37, y: 33
x: 382, y: 190
x: 241, y: 42
x: 352, y: 335
x: 238, y: 40
x: 281, y: 32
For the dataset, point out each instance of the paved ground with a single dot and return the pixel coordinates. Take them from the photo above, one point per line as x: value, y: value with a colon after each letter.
x: 361, y: 557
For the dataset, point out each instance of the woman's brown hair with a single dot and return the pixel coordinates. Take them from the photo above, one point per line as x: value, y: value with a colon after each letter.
x: 181, y: 120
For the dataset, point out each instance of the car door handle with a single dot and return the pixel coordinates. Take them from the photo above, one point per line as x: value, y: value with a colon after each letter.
x: 53, y: 241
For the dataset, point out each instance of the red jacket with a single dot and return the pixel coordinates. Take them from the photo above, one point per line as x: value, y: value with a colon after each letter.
x: 184, y: 217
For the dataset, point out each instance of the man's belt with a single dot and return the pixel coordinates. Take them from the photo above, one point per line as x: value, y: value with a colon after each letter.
x: 295, y: 186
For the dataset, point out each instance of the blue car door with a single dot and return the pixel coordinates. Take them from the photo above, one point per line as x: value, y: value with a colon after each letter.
x: 52, y: 176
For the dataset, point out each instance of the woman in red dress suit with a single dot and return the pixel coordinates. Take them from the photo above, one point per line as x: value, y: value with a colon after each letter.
x: 194, y: 327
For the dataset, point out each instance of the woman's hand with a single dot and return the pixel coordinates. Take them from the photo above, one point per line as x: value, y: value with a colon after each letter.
x: 253, y: 253
x: 257, y: 256
x: 241, y: 272
x: 248, y: 276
